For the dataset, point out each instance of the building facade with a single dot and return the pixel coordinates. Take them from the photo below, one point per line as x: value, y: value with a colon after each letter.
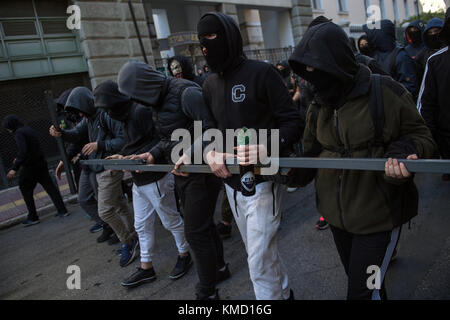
x: 350, y: 14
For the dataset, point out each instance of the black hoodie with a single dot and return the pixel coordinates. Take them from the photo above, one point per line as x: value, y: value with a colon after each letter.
x: 29, y: 150
x: 250, y: 94
x: 329, y: 56
x: 137, y: 125
x: 186, y: 67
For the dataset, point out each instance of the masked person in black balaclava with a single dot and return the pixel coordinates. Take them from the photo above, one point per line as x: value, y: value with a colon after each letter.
x: 432, y: 44
x: 433, y: 102
x: 30, y: 159
x: 153, y: 192
x: 413, y: 35
x: 181, y: 67
x: 364, y: 46
x: 365, y: 222
x: 177, y: 104
x: 248, y: 93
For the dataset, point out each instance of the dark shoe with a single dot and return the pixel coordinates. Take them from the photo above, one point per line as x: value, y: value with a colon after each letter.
x: 182, y: 267
x: 96, y: 228
x: 62, y: 214
x: 201, y: 296
x: 222, y: 275
x: 223, y: 230
x: 129, y: 253
x: 141, y: 276
x: 113, y: 240
x: 291, y: 295
x: 322, y: 224
x: 30, y: 222
x: 106, y: 234
x: 446, y: 177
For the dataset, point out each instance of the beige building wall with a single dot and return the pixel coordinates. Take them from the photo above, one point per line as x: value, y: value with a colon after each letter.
x: 108, y: 36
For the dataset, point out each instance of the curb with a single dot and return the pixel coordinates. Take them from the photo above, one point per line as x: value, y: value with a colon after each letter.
x: 42, y: 212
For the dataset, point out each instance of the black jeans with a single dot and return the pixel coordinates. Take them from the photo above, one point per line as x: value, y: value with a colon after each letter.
x: 198, y: 194
x: 29, y: 177
x: 357, y: 253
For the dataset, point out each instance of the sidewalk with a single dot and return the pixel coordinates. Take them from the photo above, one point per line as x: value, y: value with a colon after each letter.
x: 14, y: 211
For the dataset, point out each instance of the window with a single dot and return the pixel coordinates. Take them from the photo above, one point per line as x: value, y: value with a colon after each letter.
x: 316, y: 4
x: 342, y: 5
x: 383, y: 9
x: 396, y: 16
x: 405, y: 2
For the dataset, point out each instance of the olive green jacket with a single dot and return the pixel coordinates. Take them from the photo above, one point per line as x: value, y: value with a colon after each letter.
x: 363, y: 202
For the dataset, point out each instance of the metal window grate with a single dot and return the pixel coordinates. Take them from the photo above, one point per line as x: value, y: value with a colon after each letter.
x: 54, y: 27
x: 19, y: 28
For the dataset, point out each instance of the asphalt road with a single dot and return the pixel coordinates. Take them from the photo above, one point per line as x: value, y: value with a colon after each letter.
x: 34, y: 260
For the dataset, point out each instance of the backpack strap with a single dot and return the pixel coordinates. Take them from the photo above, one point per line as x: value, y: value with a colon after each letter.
x: 394, y: 55
x: 376, y: 105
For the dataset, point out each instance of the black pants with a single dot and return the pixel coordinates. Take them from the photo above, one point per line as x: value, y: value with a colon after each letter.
x: 357, y: 253
x: 198, y: 194
x: 29, y: 177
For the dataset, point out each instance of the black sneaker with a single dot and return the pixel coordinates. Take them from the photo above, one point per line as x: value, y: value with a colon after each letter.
x: 30, y: 222
x: 321, y: 224
x: 222, y: 275
x: 201, y: 296
x: 182, y: 267
x: 113, y: 240
x: 446, y: 177
x: 106, y: 234
x: 141, y: 276
x: 224, y: 230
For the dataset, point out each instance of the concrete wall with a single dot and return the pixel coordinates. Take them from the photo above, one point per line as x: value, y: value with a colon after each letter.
x: 108, y: 36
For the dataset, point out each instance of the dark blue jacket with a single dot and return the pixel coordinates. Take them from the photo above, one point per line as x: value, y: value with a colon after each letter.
x: 391, y: 56
x: 414, y: 48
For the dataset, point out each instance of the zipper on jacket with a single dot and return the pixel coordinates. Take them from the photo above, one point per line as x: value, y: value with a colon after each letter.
x: 339, y: 189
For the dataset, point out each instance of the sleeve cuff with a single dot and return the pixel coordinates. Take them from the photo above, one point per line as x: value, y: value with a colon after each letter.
x: 101, y: 145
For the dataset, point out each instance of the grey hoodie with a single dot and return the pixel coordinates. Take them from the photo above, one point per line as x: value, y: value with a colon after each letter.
x: 98, y: 126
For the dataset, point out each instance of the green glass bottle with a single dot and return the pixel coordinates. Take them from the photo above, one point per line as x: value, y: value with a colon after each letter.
x: 248, y: 183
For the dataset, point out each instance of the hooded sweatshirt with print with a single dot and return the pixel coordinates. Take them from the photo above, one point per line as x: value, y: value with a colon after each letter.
x: 249, y: 93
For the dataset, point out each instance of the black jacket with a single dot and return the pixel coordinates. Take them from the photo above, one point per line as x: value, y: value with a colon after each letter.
x: 433, y: 102
x: 29, y: 150
x: 176, y: 103
x: 188, y: 71
x: 140, y: 136
x: 392, y: 57
x: 427, y: 51
x: 251, y: 94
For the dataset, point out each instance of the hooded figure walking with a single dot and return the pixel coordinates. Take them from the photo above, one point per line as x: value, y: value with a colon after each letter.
x: 248, y: 93
x: 365, y: 209
x: 31, y: 160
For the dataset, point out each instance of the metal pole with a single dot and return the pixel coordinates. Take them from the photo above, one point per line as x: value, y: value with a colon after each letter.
x: 62, y: 150
x: 137, y: 31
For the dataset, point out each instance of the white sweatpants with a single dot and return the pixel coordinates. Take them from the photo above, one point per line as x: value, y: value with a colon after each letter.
x: 258, y: 218
x: 158, y: 196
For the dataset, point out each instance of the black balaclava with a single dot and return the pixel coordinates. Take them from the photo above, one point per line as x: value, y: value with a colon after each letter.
x: 108, y: 97
x: 286, y: 72
x: 367, y: 49
x: 217, y: 49
x: 415, y: 37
